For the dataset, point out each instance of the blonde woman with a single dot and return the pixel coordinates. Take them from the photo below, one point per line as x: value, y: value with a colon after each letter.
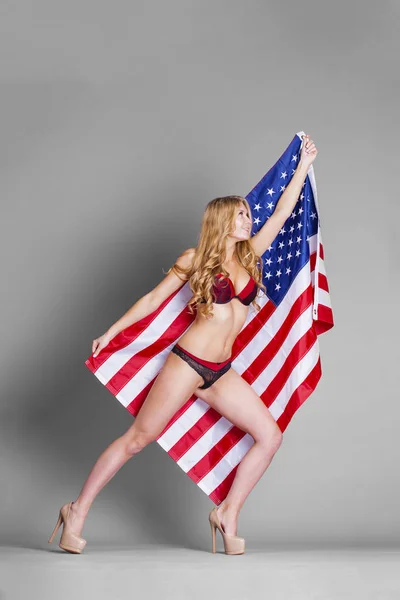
x: 224, y: 274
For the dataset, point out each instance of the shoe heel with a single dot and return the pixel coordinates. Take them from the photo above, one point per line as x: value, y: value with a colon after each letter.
x: 214, y: 538
x: 56, y: 528
x: 233, y: 544
x: 69, y: 541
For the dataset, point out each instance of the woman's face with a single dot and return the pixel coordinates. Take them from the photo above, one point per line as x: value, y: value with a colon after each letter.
x: 243, y: 223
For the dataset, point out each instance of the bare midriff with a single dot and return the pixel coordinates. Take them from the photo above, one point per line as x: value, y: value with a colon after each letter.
x: 212, y: 339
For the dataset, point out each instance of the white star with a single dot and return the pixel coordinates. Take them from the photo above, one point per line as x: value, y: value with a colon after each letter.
x: 257, y: 220
x: 268, y: 275
x: 268, y: 261
x: 303, y: 184
x: 280, y: 259
x: 270, y: 248
x: 298, y: 239
x: 282, y: 231
x: 298, y: 252
x: 301, y: 210
x: 278, y: 287
x: 292, y: 216
x: 271, y: 191
x: 257, y: 207
x: 301, y: 196
x: 283, y: 187
x: 299, y: 225
x: 291, y: 229
x: 289, y: 256
x: 294, y: 158
x: 278, y: 273
x: 293, y: 171
x: 270, y: 204
x: 313, y: 215
x: 283, y: 175
x: 290, y: 242
x: 281, y: 244
x: 288, y: 270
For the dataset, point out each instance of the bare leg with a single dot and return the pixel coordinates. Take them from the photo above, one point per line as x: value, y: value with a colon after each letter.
x: 248, y: 473
x: 106, y: 466
x: 237, y: 401
x: 174, y: 385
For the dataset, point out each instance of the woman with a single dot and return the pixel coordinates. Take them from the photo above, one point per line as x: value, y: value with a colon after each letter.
x: 226, y: 261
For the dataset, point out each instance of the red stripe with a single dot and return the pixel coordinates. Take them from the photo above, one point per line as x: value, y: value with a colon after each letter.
x: 313, y: 259
x: 325, y: 319
x: 323, y: 282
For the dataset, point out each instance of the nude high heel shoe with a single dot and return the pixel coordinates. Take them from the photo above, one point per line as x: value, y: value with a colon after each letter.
x: 68, y: 541
x: 232, y: 543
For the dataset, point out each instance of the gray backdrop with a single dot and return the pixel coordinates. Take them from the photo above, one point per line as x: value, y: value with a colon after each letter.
x: 120, y: 121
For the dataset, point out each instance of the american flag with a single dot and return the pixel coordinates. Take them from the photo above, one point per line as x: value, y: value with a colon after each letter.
x: 276, y: 351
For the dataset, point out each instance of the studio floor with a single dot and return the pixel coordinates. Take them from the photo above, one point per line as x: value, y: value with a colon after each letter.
x: 150, y: 572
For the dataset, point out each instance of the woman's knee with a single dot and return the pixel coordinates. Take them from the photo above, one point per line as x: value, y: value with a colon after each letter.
x: 271, y: 437
x: 136, y: 440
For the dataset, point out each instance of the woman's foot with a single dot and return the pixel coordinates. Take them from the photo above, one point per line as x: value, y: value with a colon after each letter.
x: 228, y: 518
x: 76, y: 519
x: 70, y: 540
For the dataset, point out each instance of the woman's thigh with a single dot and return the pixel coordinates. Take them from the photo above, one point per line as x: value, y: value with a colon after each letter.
x: 236, y: 400
x: 173, y: 386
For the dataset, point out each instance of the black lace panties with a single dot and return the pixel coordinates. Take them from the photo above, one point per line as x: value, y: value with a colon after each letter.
x: 209, y: 376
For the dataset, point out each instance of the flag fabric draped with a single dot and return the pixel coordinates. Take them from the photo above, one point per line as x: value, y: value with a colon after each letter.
x: 276, y: 351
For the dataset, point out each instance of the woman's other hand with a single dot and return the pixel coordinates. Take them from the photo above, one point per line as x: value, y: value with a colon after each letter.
x: 101, y: 342
x: 309, y: 151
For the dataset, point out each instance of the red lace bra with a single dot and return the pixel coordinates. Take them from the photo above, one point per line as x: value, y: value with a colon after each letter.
x: 224, y: 290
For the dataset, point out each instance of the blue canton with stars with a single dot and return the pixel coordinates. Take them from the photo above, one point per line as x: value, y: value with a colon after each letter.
x: 289, y: 251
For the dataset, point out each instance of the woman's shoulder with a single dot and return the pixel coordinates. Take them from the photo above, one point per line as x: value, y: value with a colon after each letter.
x: 185, y: 259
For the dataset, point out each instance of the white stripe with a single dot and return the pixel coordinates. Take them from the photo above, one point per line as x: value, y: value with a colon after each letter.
x: 324, y: 298
x: 322, y: 267
x: 312, y: 243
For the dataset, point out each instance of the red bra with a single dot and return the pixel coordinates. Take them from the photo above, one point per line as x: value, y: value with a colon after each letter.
x: 225, y: 292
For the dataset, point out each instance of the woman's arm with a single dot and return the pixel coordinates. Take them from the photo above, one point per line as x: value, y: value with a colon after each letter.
x: 262, y: 240
x: 152, y: 300
x: 143, y: 307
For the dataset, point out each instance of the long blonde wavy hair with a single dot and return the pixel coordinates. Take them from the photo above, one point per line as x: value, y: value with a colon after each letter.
x: 217, y: 223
